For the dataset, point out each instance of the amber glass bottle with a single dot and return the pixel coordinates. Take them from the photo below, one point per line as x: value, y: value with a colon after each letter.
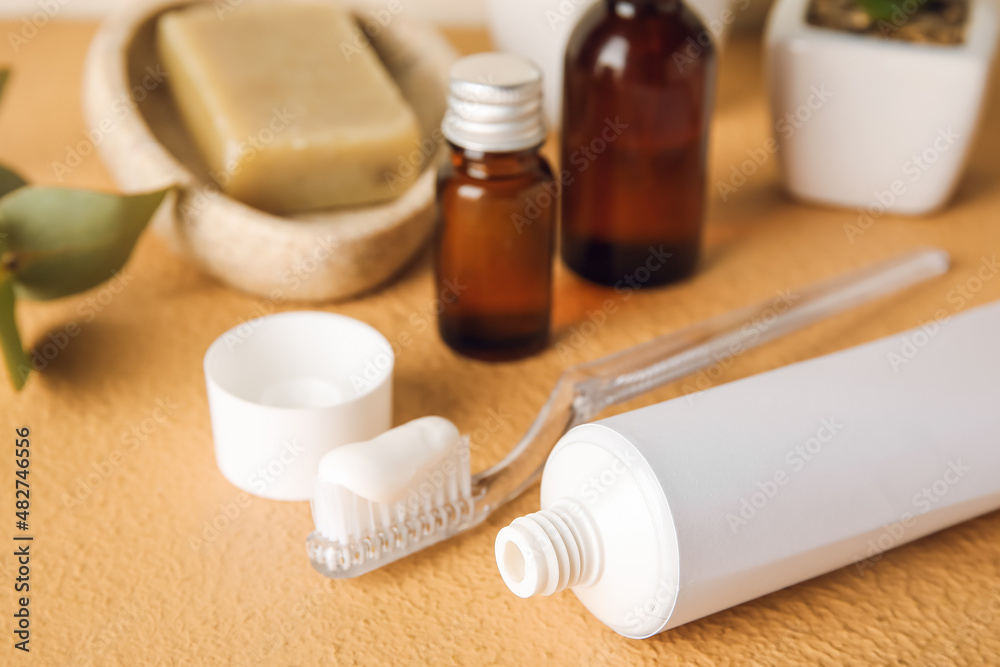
x: 638, y: 89
x: 497, y: 201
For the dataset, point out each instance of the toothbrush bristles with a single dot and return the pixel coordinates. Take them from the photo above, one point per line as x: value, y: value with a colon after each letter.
x: 354, y: 535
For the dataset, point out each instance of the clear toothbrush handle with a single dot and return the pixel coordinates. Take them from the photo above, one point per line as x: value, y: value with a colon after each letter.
x: 585, y: 389
x: 624, y: 375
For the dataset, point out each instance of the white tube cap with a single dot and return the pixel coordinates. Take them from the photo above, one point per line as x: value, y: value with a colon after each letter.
x: 284, y: 390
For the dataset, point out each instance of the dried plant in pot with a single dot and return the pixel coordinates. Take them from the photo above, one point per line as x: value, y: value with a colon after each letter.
x: 875, y: 102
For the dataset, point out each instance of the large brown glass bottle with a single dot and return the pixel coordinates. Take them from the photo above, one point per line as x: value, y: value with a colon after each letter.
x: 497, y: 201
x: 638, y: 89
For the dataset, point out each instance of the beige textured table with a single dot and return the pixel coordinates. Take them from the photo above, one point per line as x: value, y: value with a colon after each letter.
x: 127, y: 568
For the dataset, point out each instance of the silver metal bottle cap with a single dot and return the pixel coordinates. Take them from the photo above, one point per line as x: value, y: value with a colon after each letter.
x: 495, y: 103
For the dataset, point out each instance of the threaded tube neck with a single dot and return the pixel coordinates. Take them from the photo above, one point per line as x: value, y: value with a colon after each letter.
x: 550, y: 550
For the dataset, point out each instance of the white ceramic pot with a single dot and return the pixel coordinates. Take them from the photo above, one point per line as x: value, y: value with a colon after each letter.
x: 873, y: 124
x: 540, y: 30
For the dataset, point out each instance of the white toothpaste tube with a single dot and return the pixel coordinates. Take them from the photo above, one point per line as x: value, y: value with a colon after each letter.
x: 663, y: 515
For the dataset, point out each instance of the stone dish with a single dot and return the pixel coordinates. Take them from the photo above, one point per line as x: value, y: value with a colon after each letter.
x: 319, y: 256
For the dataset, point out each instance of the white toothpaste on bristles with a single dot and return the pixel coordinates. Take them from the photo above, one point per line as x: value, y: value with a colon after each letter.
x: 381, y: 485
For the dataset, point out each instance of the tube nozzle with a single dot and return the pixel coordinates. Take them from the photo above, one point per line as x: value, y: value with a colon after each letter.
x: 547, y: 551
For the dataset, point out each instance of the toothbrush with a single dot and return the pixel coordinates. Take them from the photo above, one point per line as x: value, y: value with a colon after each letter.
x: 378, y: 501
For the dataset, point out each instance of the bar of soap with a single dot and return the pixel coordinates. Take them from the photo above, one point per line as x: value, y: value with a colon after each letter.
x: 285, y: 120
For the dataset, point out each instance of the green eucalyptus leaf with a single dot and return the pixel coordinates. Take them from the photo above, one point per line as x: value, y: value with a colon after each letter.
x: 58, y: 242
x: 10, y: 180
x: 14, y: 355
